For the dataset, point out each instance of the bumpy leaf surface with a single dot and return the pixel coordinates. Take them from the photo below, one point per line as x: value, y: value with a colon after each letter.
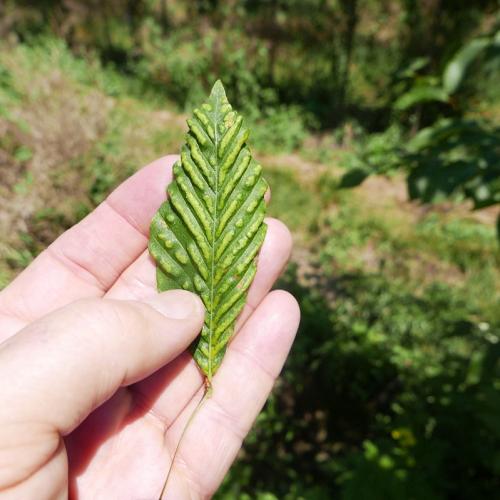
x: 206, y: 236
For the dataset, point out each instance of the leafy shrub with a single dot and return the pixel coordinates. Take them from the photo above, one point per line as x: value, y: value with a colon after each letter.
x: 279, y: 129
x: 185, y: 64
x: 455, y: 157
x: 383, y: 382
x: 374, y: 153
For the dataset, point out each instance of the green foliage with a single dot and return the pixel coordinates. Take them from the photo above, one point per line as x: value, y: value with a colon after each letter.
x: 392, y: 356
x: 452, y: 157
x: 183, y: 63
x: 456, y: 69
x: 391, y: 390
x: 422, y: 89
x: 206, y: 236
x: 420, y: 94
x: 386, y: 362
x: 278, y: 129
x: 455, y: 157
x: 375, y: 153
x: 70, y: 131
x: 354, y: 177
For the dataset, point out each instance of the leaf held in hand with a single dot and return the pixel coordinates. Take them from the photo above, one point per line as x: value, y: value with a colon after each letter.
x: 206, y: 236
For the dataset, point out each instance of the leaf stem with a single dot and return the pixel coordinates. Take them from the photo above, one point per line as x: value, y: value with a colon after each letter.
x: 207, y: 393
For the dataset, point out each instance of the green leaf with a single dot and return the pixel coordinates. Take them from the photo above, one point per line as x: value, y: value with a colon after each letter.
x: 353, y: 177
x: 420, y: 94
x: 411, y: 70
x: 206, y: 236
x: 456, y: 69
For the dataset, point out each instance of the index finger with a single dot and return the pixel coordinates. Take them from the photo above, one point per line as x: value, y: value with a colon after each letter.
x: 88, y: 258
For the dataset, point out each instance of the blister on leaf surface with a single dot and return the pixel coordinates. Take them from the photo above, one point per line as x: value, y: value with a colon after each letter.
x: 206, y: 236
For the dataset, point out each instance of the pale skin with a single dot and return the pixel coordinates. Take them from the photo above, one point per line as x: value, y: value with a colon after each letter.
x: 96, y: 383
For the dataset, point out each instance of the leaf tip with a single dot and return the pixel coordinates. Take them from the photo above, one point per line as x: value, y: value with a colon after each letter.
x: 218, y: 90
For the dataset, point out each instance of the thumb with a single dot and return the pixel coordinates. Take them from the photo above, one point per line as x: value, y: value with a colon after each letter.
x: 61, y: 367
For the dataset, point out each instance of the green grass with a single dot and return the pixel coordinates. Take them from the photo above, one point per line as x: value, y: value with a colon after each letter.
x: 74, y: 131
x: 291, y: 201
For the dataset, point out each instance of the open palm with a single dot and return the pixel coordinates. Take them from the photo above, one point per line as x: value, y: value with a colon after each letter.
x: 114, y: 437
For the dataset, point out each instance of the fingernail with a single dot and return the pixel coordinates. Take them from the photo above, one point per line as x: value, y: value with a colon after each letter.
x: 176, y: 304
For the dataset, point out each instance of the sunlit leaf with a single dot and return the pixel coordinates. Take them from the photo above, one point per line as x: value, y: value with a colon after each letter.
x: 456, y: 69
x: 420, y: 94
x: 206, y: 236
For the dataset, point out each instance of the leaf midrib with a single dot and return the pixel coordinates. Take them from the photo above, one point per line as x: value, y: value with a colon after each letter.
x: 214, y: 230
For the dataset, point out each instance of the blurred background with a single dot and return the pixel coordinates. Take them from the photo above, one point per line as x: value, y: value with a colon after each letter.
x: 378, y: 126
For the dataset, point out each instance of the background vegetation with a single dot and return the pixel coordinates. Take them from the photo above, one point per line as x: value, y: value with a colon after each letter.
x: 378, y: 124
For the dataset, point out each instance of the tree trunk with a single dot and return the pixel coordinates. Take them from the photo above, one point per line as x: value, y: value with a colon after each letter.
x: 164, y: 16
x: 350, y: 8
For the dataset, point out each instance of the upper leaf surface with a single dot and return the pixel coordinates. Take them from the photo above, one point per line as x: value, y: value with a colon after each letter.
x: 206, y: 236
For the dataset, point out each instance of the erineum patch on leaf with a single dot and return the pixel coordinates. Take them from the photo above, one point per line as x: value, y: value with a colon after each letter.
x: 206, y: 236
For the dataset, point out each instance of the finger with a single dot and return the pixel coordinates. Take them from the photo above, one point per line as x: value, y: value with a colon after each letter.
x: 87, y: 259
x: 60, y: 368
x: 240, y: 388
x: 182, y: 377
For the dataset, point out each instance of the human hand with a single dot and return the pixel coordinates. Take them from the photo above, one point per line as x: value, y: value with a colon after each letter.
x: 96, y: 384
